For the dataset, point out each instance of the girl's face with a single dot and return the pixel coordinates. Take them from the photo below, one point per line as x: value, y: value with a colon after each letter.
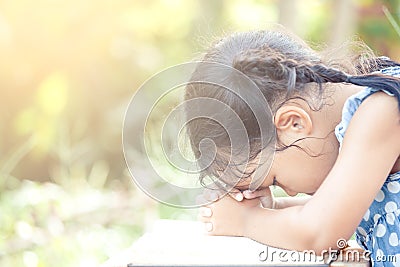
x: 302, y: 167
x: 297, y: 172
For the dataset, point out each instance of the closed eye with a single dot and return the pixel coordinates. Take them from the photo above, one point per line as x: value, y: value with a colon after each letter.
x: 274, y: 181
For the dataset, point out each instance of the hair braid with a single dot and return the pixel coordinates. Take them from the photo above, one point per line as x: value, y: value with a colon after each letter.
x: 261, y: 62
x: 374, y: 64
x: 372, y: 80
x: 265, y: 62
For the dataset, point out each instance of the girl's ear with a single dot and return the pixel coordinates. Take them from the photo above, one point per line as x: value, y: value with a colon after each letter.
x: 293, y: 120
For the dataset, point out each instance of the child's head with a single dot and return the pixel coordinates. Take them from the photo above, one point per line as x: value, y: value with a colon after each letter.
x: 284, y: 69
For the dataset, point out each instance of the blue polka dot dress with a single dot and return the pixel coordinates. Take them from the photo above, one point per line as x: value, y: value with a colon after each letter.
x: 379, y: 230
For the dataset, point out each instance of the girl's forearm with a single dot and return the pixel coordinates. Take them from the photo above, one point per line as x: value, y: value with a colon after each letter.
x: 285, y: 202
x: 282, y: 228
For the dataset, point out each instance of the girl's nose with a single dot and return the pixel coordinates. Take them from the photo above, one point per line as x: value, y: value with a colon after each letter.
x: 289, y: 192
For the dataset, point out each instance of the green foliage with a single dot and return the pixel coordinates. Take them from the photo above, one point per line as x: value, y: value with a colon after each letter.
x: 43, y: 223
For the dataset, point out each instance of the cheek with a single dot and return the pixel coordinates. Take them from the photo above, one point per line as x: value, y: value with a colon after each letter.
x: 300, y: 172
x: 317, y: 172
x: 306, y: 174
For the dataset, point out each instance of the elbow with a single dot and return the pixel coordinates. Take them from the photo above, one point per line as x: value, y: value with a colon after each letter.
x: 321, y: 238
x: 321, y: 246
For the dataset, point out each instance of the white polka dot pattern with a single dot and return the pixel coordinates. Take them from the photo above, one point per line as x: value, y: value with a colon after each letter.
x: 390, y: 218
x: 379, y: 229
x: 394, y: 187
x: 393, y: 240
x: 380, y: 196
x: 376, y: 217
x: 366, y: 215
x: 390, y: 206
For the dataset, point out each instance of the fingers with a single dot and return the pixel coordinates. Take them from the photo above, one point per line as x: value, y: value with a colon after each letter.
x: 214, y: 194
x: 236, y: 194
x: 258, y: 193
x: 265, y: 196
x: 267, y: 202
x: 204, y: 216
x: 208, y: 226
x: 205, y: 212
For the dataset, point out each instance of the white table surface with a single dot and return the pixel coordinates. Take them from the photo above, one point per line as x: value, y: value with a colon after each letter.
x: 185, y: 243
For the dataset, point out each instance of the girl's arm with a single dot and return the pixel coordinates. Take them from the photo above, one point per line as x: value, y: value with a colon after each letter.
x: 370, y: 149
x: 269, y: 201
x: 286, y: 202
x: 264, y: 195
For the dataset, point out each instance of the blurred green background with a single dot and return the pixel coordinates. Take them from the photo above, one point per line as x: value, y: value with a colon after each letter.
x: 68, y: 70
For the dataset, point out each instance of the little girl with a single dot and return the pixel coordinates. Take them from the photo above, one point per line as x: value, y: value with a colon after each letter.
x: 337, y: 126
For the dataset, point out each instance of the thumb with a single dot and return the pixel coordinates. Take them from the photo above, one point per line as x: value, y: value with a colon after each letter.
x: 267, y: 201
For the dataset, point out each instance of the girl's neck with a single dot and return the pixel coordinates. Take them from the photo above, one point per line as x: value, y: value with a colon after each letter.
x: 329, y: 116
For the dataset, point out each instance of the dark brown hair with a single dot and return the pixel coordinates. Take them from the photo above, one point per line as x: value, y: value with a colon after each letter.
x: 283, y: 67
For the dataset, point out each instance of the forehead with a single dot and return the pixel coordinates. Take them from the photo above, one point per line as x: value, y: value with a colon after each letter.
x: 241, y: 184
x: 244, y: 187
x: 257, y: 174
x: 245, y: 184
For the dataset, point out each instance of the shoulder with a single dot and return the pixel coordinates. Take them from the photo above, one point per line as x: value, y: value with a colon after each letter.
x: 376, y: 121
x: 372, y: 107
x: 381, y: 107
